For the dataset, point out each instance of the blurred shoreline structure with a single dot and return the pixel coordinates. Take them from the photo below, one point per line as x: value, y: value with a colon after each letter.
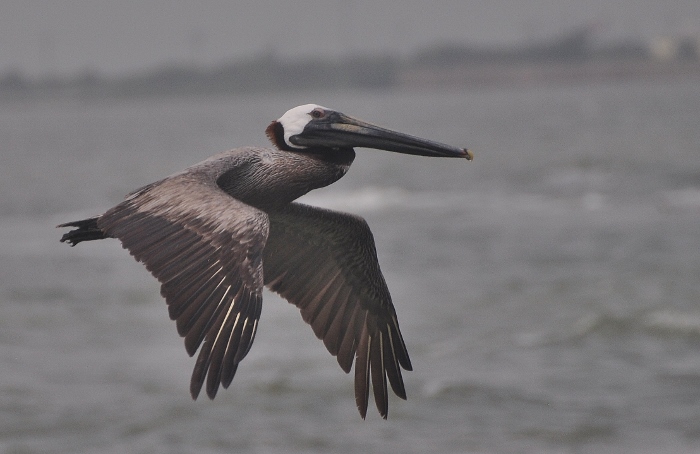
x: 573, y: 57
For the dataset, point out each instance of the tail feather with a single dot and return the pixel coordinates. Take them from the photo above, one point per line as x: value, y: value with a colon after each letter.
x: 87, y: 230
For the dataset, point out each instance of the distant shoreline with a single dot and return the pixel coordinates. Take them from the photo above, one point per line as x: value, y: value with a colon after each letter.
x: 359, y: 73
x: 504, y: 74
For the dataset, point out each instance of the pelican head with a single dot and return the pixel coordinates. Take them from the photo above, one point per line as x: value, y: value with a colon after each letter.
x: 313, y: 127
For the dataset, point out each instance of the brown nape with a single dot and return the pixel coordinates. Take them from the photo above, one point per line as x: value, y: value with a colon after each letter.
x: 275, y: 132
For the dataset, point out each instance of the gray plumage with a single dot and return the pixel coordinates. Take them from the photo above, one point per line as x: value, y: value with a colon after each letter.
x: 216, y: 233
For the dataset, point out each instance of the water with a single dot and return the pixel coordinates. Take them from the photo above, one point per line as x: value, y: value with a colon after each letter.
x: 548, y: 291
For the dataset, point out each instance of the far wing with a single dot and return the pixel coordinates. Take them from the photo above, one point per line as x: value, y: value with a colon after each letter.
x: 325, y: 263
x: 205, y: 248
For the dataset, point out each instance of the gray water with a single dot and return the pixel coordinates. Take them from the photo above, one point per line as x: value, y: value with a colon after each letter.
x: 548, y: 291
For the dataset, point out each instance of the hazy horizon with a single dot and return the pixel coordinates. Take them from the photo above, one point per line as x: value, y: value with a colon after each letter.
x: 112, y: 38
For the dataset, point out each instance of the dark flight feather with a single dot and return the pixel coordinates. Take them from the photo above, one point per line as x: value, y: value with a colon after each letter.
x: 205, y: 248
x: 338, y: 286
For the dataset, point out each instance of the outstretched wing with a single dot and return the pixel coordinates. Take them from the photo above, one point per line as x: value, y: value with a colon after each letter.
x: 325, y: 263
x: 205, y: 248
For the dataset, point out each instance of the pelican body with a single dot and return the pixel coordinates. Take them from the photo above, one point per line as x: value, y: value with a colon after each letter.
x: 217, y: 232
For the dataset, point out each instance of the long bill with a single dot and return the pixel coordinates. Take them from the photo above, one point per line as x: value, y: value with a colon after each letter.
x: 340, y: 130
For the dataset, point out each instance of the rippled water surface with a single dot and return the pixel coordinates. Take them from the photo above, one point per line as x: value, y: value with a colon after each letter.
x: 548, y: 292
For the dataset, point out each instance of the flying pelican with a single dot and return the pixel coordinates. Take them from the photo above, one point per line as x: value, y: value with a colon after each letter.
x: 216, y: 232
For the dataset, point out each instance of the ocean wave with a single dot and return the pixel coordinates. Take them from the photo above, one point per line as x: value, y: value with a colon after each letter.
x: 673, y: 323
x: 683, y: 198
x: 663, y: 322
x: 483, y: 390
x: 374, y: 198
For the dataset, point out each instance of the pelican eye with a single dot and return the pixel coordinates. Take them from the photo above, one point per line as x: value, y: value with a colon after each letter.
x: 317, y: 113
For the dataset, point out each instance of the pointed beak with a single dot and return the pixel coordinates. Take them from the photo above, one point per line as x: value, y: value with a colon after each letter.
x: 338, y: 130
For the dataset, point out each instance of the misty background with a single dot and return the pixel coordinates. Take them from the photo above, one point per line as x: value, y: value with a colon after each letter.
x: 548, y: 291
x: 43, y: 38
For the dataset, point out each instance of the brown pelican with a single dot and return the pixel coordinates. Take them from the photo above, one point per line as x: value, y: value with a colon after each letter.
x: 218, y: 231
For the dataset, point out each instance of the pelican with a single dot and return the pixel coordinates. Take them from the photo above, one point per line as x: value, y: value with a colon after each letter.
x: 215, y: 233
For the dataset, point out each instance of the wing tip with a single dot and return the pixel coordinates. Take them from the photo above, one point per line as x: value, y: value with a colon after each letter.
x: 195, y: 388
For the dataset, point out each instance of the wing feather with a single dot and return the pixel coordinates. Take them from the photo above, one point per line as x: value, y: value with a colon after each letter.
x: 325, y: 263
x: 362, y: 369
x: 336, y: 324
x: 378, y: 372
x: 205, y: 248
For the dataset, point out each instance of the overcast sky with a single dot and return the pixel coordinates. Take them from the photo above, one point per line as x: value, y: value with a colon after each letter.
x: 41, y: 37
